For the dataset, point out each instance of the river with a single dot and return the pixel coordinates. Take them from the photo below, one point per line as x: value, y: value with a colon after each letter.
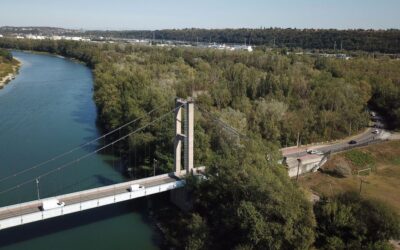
x: 47, y: 110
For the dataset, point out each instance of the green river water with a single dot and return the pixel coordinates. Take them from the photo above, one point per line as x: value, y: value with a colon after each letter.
x: 46, y: 110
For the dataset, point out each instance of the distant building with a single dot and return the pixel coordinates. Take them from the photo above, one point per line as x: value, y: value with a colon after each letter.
x: 230, y: 48
x: 1, y: 35
x: 243, y: 47
x: 75, y: 38
x: 30, y: 36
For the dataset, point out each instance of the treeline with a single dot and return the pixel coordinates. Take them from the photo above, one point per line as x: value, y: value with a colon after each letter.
x: 248, y: 201
x: 385, y: 41
x: 279, y: 97
x: 5, y: 55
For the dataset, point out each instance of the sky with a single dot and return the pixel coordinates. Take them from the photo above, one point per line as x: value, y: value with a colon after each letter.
x: 169, y: 14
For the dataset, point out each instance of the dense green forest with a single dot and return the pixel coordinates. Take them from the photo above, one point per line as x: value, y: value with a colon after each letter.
x: 386, y: 41
x: 248, y: 201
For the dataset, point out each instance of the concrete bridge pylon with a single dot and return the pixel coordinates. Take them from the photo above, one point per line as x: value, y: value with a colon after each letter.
x: 186, y: 139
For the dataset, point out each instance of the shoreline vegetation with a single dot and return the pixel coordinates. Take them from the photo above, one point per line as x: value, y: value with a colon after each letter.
x: 270, y: 97
x: 9, y: 68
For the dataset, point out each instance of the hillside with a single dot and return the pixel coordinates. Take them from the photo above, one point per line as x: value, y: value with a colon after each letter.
x: 384, y: 41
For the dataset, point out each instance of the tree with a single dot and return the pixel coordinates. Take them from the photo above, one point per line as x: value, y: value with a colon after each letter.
x: 248, y: 202
x: 349, y: 221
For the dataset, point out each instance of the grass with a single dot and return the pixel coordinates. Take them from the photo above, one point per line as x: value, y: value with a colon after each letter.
x: 5, y: 69
x: 360, y: 159
x: 396, y: 160
x: 383, y: 183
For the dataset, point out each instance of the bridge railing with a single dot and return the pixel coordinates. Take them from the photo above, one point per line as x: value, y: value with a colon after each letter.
x: 89, y: 191
x: 85, y: 205
x: 357, y: 145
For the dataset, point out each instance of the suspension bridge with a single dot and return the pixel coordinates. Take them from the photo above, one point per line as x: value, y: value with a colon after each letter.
x: 32, y: 211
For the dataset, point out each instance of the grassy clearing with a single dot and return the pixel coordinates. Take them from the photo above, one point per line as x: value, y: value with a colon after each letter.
x: 383, y: 183
x: 360, y: 159
x: 7, y: 67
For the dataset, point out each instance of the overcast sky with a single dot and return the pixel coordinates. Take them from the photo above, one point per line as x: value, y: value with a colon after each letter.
x: 163, y: 14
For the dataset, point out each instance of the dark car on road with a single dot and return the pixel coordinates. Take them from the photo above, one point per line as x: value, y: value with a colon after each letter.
x: 352, y: 142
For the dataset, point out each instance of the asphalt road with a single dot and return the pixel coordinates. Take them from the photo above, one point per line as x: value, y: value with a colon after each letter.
x: 364, y: 138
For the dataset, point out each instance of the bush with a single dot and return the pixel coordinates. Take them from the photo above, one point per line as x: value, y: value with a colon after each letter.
x: 341, y: 169
x: 6, y: 54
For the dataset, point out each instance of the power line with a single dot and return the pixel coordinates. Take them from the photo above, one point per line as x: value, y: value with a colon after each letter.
x: 89, y: 154
x: 76, y: 148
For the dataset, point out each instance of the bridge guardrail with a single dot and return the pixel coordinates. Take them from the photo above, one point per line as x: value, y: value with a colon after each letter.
x: 358, y: 145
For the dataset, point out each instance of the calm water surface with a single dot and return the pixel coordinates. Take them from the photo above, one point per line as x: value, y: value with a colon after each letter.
x: 46, y: 110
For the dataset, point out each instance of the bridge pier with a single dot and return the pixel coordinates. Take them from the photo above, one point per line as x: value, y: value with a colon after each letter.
x: 180, y: 198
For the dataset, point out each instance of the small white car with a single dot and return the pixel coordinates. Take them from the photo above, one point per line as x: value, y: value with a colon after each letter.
x: 376, y: 131
x: 314, y: 152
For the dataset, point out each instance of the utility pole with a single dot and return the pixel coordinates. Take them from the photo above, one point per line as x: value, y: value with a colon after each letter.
x: 298, y: 139
x: 350, y: 129
x: 37, y: 188
x: 154, y: 167
x: 361, y: 184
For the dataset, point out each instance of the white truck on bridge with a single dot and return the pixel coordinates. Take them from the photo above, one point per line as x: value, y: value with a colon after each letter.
x: 51, y: 204
x: 135, y: 187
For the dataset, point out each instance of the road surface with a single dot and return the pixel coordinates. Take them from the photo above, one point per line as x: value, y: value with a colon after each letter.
x: 362, y: 139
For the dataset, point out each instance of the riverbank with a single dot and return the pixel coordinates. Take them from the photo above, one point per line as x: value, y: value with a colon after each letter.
x: 11, y: 76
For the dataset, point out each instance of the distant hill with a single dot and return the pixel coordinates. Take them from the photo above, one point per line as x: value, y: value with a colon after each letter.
x: 385, y: 41
x: 5, y: 30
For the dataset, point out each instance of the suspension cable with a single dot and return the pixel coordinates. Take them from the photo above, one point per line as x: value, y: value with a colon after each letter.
x: 89, y: 154
x: 76, y: 148
x: 222, y: 123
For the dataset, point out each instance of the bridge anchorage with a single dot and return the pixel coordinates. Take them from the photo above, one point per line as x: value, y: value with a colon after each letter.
x: 42, y: 209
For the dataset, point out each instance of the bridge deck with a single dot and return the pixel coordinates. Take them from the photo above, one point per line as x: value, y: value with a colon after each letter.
x: 74, y: 202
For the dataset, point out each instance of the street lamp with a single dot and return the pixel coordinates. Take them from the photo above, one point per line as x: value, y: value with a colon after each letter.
x: 37, y: 188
